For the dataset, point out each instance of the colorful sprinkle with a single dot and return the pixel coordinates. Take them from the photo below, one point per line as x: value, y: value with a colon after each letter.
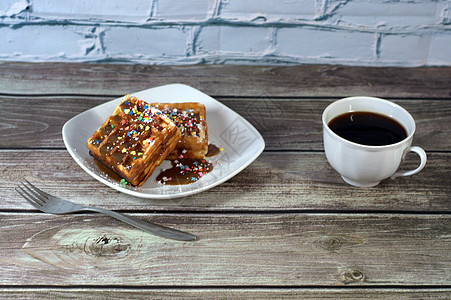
x: 184, y: 171
x: 186, y: 120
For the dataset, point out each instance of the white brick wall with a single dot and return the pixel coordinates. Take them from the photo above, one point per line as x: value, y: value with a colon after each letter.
x: 145, y: 43
x: 352, y: 32
x: 329, y: 44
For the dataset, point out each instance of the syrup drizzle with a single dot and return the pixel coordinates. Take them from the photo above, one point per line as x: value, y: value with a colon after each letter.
x: 185, y: 171
x: 213, y: 150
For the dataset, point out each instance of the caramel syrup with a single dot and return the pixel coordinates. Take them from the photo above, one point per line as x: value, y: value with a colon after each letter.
x: 185, y: 171
x: 213, y: 150
x: 108, y: 172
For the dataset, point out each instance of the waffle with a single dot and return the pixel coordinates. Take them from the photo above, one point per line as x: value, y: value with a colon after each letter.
x: 190, y: 118
x: 134, y: 140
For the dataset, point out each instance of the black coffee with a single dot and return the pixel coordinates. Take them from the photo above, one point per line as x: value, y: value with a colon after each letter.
x: 368, y: 128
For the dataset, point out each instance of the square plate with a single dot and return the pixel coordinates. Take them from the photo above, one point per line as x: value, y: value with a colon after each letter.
x: 241, y: 142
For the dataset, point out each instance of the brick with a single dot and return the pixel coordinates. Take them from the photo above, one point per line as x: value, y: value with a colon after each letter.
x: 404, y: 48
x: 328, y: 44
x: 111, y: 9
x: 182, y: 10
x: 9, y: 8
x: 268, y: 10
x: 241, y: 39
x: 145, y: 42
x: 41, y: 41
x: 5, y: 6
x: 440, y: 49
x: 446, y: 15
x: 386, y: 13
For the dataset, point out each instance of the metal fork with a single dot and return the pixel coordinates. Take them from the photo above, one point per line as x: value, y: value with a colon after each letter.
x: 54, y: 205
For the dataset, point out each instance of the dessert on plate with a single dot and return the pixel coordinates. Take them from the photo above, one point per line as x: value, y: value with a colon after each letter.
x: 134, y: 140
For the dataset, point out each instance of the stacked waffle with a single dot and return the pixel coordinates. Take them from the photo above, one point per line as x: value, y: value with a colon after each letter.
x: 138, y: 136
x: 189, y: 117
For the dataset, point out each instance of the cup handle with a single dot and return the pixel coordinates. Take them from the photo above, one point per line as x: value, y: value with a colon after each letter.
x: 423, y: 157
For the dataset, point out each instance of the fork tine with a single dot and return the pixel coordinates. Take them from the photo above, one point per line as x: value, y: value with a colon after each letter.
x: 32, y: 195
x: 29, y: 198
x: 39, y: 191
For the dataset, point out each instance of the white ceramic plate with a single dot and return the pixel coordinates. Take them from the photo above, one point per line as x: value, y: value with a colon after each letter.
x: 242, y: 143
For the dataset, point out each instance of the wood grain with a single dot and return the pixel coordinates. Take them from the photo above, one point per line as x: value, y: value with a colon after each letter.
x: 224, y: 293
x: 285, y: 124
x: 287, y: 226
x: 261, y: 249
x: 219, y: 80
x: 275, y: 181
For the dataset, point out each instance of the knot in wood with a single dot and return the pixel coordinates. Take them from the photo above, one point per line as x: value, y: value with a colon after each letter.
x: 106, y: 246
x: 330, y: 243
x: 353, y: 276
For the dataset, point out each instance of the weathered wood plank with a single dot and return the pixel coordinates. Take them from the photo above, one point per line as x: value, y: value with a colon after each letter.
x: 285, y: 124
x: 224, y: 293
x: 275, y: 181
x: 270, y: 240
x: 232, y: 250
x: 226, y: 80
x: 34, y: 122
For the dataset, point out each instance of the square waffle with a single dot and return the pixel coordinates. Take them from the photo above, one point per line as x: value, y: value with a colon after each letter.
x: 134, y: 140
x: 190, y: 118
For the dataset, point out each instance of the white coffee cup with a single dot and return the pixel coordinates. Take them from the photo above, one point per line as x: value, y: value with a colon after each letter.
x: 363, y: 165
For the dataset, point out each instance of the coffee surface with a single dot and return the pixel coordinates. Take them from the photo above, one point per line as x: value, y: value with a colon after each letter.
x: 368, y: 128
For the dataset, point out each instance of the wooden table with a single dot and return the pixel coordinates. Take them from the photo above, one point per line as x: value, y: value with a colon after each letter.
x: 285, y: 227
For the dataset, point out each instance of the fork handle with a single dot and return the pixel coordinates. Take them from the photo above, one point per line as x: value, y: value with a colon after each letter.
x: 156, y: 229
